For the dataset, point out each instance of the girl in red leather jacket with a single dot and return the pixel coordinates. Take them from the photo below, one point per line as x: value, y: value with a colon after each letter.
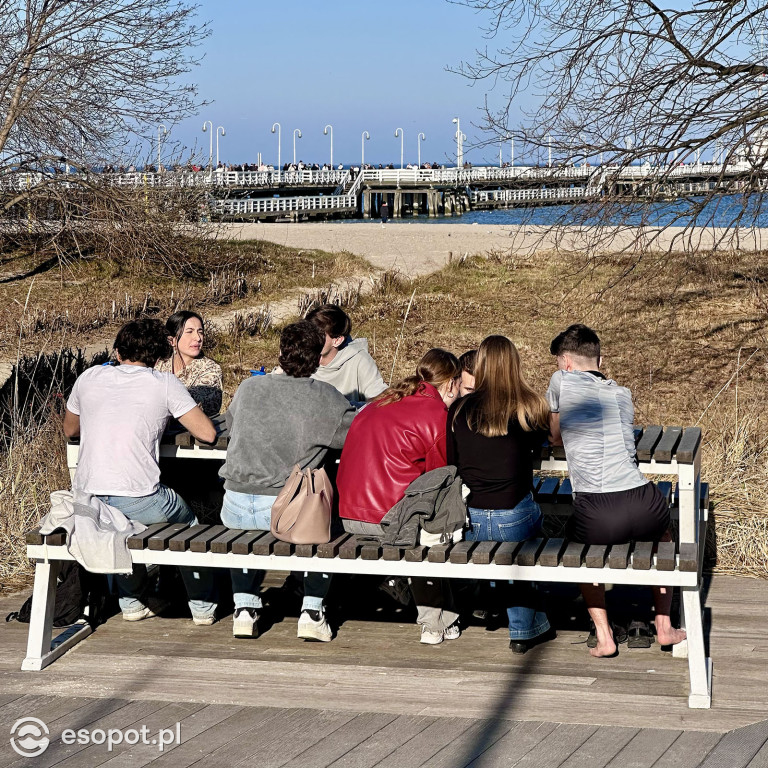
x: 399, y: 436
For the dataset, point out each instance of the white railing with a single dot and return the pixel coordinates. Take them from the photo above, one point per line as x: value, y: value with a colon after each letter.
x: 521, y: 195
x: 286, y: 204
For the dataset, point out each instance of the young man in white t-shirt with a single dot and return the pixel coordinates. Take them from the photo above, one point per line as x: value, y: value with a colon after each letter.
x: 120, y: 414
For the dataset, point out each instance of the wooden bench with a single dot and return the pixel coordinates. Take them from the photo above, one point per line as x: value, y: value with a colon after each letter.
x: 672, y: 452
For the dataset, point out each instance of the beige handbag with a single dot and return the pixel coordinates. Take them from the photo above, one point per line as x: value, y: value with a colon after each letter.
x: 301, y: 513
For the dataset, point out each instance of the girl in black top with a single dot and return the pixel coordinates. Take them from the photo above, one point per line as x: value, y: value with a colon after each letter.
x: 492, y: 434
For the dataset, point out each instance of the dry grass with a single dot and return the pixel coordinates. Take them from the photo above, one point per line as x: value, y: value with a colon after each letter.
x: 687, y: 335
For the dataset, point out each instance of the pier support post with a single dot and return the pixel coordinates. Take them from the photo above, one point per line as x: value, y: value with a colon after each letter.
x: 415, y: 208
x: 366, y: 204
x: 397, y: 207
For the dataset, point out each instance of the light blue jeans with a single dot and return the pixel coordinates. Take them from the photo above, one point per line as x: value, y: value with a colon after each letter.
x: 162, y: 506
x: 526, y: 620
x: 251, y: 512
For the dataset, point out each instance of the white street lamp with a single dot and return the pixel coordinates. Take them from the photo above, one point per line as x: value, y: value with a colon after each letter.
x: 223, y: 133
x: 512, y: 153
x: 159, y: 142
x: 399, y: 132
x: 325, y: 133
x: 419, y: 139
x: 210, y: 152
x: 279, y: 167
x: 365, y: 137
x: 296, y: 132
x: 501, y: 145
x: 549, y: 144
x: 459, y: 143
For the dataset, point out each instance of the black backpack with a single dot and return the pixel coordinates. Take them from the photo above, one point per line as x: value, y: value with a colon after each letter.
x: 79, y: 595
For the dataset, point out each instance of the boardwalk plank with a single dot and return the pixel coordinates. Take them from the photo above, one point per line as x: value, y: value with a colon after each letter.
x: 600, y: 748
x: 645, y: 749
x: 688, y: 750
x: 479, y: 737
x: 425, y: 745
x: 738, y: 748
x: 558, y: 746
x: 517, y: 742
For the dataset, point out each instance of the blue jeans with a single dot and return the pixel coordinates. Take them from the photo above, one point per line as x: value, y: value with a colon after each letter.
x: 162, y: 506
x: 526, y: 619
x: 251, y: 512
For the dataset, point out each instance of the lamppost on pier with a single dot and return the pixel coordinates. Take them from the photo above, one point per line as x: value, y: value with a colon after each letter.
x: 223, y: 133
x: 512, y: 153
x: 325, y: 133
x: 549, y: 147
x: 421, y: 137
x: 459, y: 143
x: 365, y: 137
x: 399, y: 132
x: 160, y: 137
x: 279, y: 167
x: 210, y: 151
x: 501, y: 161
x: 296, y: 132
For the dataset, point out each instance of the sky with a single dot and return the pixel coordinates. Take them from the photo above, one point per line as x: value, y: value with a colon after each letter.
x: 356, y: 65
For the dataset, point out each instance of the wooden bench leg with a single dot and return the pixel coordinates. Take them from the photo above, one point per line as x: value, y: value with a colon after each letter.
x: 40, y: 650
x: 699, y: 665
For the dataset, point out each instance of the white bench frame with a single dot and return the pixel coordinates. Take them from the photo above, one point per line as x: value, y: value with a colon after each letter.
x: 42, y: 651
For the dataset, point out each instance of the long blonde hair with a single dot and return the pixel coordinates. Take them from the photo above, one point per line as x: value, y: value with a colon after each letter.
x: 435, y: 368
x: 501, y: 392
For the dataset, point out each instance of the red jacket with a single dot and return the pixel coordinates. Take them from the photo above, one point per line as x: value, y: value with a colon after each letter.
x: 386, y: 449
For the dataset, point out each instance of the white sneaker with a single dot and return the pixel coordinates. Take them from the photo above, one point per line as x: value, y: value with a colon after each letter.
x: 430, y: 638
x: 203, y: 621
x: 155, y: 607
x: 452, y: 633
x: 244, y: 622
x: 314, y: 627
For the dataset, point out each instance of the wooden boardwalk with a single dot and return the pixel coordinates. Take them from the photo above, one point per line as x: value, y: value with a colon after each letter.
x: 376, y: 697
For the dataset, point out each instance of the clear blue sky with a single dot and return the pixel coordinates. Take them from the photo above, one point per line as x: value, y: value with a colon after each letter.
x: 354, y: 64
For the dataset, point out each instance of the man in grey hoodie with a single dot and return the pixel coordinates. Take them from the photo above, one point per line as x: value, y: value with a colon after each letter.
x: 345, y: 362
x: 276, y: 422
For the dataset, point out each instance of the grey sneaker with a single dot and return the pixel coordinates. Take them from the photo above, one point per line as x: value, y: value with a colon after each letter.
x: 244, y: 622
x: 430, y: 638
x: 314, y: 627
x: 453, y: 632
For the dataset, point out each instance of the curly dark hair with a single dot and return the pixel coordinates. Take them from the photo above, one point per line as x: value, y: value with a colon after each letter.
x: 143, y: 341
x: 300, y: 347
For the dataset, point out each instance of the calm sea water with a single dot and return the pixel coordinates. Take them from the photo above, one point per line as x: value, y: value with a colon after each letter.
x: 724, y: 211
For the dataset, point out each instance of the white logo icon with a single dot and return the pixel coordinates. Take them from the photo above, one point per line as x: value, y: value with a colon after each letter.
x: 29, y: 737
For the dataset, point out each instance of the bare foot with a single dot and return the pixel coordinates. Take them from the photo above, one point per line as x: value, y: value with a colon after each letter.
x: 605, y: 647
x: 670, y: 635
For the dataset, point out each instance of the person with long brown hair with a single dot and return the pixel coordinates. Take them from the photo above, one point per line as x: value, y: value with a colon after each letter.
x: 492, y: 434
x: 396, y: 438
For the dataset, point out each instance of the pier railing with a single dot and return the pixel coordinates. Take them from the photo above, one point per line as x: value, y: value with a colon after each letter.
x: 285, y: 204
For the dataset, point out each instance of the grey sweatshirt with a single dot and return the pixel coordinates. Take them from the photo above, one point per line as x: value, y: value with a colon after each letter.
x: 276, y: 422
x: 353, y: 372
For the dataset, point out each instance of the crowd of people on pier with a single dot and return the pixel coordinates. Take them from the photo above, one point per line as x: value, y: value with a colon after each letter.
x: 461, y: 431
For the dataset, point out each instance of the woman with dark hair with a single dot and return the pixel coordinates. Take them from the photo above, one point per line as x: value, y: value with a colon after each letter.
x: 345, y: 362
x: 198, y: 373
x: 394, y: 440
x: 120, y: 413
x: 492, y: 434
x: 276, y: 422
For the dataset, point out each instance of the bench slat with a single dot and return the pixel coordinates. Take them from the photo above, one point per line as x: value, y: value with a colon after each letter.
x: 391, y: 554
x: 305, y: 550
x: 651, y: 436
x: 439, y: 553
x: 689, y: 557
x: 461, y: 551
x: 596, y: 556
x: 665, y: 448
x: 529, y: 552
x: 548, y: 490
x: 565, y: 492
x: 416, y: 554
x: 642, y: 556
x: 482, y: 554
x: 638, y: 433
x: 331, y: 549
x: 665, y: 556
x: 574, y: 554
x: 505, y: 554
x: 688, y: 445
x: 223, y: 543
x: 371, y: 550
x: 283, y: 548
x: 201, y: 543
x: 264, y: 544
x: 350, y: 549
x: 618, y: 557
x: 159, y: 541
x: 550, y: 554
x: 180, y: 542
x: 537, y: 480
x: 242, y: 545
x: 558, y: 451
x: 139, y: 541
x: 54, y: 539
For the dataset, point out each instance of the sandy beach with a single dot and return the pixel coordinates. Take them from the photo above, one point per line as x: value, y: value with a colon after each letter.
x: 417, y: 248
